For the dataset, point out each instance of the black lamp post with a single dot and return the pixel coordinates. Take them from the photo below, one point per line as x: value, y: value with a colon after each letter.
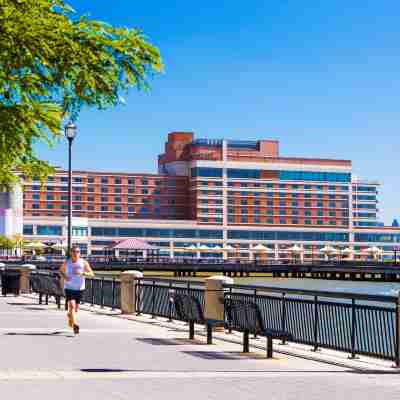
x: 70, y: 133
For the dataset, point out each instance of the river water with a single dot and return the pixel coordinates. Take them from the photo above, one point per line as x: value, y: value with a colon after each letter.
x: 373, y: 288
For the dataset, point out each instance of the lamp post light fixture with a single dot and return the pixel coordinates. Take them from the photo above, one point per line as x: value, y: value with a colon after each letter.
x: 70, y: 132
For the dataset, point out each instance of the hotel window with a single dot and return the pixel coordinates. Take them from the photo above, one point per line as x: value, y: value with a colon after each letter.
x: 104, y: 208
x: 104, y: 180
x: 270, y: 194
x: 77, y: 180
x: 242, y: 184
x: 282, y: 203
x: 295, y: 195
x: 269, y: 185
x: 307, y: 195
x: 331, y: 197
x: 295, y: 212
x: 130, y: 200
x: 145, y: 191
x: 64, y: 206
x: 320, y: 204
x: 64, y: 179
x: 295, y: 186
x: 344, y: 188
x: 282, y: 221
x: 131, y: 191
x: 90, y: 189
x: 104, y: 189
x: 90, y: 179
x: 270, y: 203
x: 35, y: 206
x: 282, y: 211
x: 90, y: 208
x: 117, y: 190
x: 231, y: 201
x: 104, y: 199
x: 320, y: 222
x: 307, y: 213
x: 243, y: 202
x: 77, y: 207
x: 257, y: 194
x: 307, y: 222
x: 77, y: 189
x: 282, y: 186
x: 295, y: 221
x: 90, y: 198
x: 244, y: 220
x: 270, y: 212
x: 131, y: 209
x: 144, y: 182
x: 307, y: 187
x: 49, y: 206
x: 244, y: 193
x: 50, y: 188
x: 257, y: 185
x: 257, y: 220
x: 257, y: 202
x: 50, y: 179
x: 117, y: 199
x: 244, y: 210
x: 332, y: 222
x: 35, y: 187
x: 270, y: 221
x: 307, y: 204
x: 117, y: 208
x: 344, y: 204
x: 49, y: 230
x: 295, y: 204
x: 117, y: 181
x: 257, y: 211
x: 320, y: 213
x: 332, y: 204
x: 77, y: 198
x: 345, y: 222
x: 332, y: 213
x: 36, y: 196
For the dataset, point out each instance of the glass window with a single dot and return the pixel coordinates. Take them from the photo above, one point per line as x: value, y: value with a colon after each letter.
x: 117, y: 208
x: 307, y: 204
x: 117, y: 199
x: 90, y: 207
x: 104, y: 189
x: 35, y: 206
x: 90, y: 189
x: 90, y: 179
x: 78, y: 198
x: 314, y: 176
x: 320, y: 204
x: 104, y: 199
x: 145, y: 191
x: 234, y: 173
x: 295, y: 204
x: 104, y: 208
x: 295, y: 221
x: 117, y: 181
x: 47, y: 230
x: 206, y: 172
x: 117, y: 190
x: 77, y: 207
x: 28, y: 230
x: 307, y: 222
x: 332, y: 204
x: 104, y: 180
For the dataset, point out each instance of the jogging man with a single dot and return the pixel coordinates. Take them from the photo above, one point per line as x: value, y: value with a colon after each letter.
x: 74, y: 270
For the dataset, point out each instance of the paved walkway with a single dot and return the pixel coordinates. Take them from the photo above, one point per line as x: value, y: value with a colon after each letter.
x: 120, y: 358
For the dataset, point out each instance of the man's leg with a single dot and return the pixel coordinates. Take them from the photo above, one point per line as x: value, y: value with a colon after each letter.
x: 71, y: 312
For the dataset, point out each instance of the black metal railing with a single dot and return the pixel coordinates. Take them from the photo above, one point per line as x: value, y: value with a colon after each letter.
x: 155, y: 296
x: 355, y: 323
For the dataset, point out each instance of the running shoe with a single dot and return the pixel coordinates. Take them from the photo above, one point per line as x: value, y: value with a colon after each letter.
x: 76, y: 329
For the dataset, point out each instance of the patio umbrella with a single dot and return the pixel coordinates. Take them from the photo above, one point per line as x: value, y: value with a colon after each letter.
x: 347, y: 251
x: 203, y: 247
x: 228, y: 247
x: 327, y: 250
x: 260, y: 248
x: 59, y: 246
x: 295, y: 249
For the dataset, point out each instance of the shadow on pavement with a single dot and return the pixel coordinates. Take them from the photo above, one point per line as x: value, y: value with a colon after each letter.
x: 56, y: 333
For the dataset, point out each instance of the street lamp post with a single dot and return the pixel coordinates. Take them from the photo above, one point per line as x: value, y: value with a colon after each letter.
x: 70, y: 133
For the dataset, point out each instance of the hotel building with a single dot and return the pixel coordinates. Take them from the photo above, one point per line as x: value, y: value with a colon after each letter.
x: 213, y: 193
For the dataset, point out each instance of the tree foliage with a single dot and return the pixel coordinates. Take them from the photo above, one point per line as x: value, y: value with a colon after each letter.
x: 52, y: 63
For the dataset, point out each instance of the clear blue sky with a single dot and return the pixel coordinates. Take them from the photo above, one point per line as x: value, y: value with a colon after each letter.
x: 322, y: 77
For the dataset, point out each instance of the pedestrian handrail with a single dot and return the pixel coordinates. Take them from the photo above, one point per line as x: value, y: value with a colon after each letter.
x: 357, y: 323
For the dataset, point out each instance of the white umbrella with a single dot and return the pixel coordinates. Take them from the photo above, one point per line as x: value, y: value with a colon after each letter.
x: 327, y: 250
x: 228, y: 247
x: 259, y: 248
x: 31, y: 266
x: 216, y: 248
x: 347, y: 250
x: 30, y: 245
x: 39, y: 245
x: 295, y: 249
x: 59, y: 246
x: 203, y: 247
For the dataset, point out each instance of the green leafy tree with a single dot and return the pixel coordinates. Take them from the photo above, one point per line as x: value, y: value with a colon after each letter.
x: 52, y: 63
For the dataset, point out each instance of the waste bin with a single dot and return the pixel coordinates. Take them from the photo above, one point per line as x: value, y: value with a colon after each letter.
x: 10, y: 281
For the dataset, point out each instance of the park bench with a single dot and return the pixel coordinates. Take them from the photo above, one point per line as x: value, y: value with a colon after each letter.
x: 245, y: 316
x: 47, y: 285
x: 189, y: 309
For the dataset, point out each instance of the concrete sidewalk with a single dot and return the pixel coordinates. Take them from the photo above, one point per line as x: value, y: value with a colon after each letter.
x: 127, y: 358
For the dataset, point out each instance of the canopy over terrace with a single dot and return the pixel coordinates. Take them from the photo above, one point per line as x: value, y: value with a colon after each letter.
x: 138, y: 247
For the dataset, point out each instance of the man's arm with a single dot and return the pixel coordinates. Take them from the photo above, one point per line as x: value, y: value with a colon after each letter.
x: 88, y: 270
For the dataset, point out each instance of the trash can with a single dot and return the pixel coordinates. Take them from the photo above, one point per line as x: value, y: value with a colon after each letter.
x: 10, y: 281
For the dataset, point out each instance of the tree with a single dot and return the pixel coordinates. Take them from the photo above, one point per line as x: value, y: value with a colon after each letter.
x: 53, y: 63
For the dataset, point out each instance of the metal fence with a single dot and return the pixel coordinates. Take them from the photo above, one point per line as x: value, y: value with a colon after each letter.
x: 155, y: 296
x: 103, y: 292
x: 349, y: 322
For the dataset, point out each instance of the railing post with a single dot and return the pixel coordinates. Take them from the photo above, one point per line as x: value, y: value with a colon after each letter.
x: 316, y: 316
x: 230, y: 319
x: 102, y: 293
x: 283, y: 322
x: 353, y: 329
x: 153, y: 301
x: 113, y: 295
x: 129, y: 303
x: 92, y: 293
x: 397, y: 338
x: 255, y: 302
x: 171, y: 299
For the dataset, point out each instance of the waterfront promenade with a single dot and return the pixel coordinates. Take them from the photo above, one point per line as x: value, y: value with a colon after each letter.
x: 125, y: 357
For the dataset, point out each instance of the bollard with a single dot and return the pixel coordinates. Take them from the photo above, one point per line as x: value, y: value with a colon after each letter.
x: 128, y: 291
x: 214, y: 298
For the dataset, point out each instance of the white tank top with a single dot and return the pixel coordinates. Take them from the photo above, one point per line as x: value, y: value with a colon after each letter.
x: 76, y: 282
